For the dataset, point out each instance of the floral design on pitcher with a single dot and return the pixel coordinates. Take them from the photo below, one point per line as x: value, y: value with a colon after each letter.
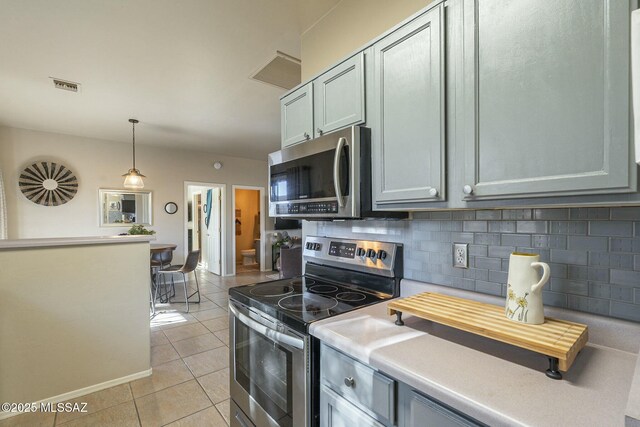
x: 521, y: 305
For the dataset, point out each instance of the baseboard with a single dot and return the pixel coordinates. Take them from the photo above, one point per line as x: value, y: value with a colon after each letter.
x: 83, y: 391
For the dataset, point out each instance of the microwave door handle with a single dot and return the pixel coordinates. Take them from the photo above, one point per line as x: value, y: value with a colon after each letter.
x: 336, y: 170
x: 267, y: 332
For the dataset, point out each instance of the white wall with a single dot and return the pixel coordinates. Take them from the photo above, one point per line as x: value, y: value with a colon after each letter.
x: 100, y: 164
x: 347, y: 26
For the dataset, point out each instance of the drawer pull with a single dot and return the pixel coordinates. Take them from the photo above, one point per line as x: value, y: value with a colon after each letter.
x: 349, y: 382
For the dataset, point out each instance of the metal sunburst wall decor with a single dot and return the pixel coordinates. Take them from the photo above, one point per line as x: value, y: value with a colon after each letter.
x: 48, y: 183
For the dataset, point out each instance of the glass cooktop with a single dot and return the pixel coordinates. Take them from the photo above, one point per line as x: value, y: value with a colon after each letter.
x: 298, y: 302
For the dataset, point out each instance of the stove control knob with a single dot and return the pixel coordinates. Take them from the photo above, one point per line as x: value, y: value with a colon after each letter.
x: 317, y: 246
x: 371, y: 253
x: 349, y: 381
x: 382, y: 254
x: 308, y: 245
x: 361, y: 252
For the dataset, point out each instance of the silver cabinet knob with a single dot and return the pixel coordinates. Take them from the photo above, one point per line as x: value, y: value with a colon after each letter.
x: 306, y: 136
x: 349, y: 381
x: 319, y: 132
x: 467, y: 189
x: 433, y: 192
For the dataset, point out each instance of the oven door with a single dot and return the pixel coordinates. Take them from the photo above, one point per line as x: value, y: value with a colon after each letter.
x: 318, y: 178
x: 269, y: 379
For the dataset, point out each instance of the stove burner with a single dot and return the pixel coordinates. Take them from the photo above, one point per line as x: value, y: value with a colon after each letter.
x: 301, y: 281
x: 350, y: 296
x: 322, y: 289
x: 307, y: 302
x: 271, y: 290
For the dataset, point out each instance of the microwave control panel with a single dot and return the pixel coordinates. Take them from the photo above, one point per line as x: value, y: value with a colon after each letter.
x: 308, y: 208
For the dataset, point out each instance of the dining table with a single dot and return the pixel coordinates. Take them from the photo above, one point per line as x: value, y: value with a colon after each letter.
x: 162, y: 247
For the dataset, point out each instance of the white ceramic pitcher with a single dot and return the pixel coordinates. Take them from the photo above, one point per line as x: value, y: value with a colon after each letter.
x: 524, y: 288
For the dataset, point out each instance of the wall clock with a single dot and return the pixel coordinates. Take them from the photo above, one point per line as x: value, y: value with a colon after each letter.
x: 48, y: 183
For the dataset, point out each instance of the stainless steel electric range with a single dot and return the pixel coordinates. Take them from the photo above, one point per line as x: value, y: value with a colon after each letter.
x: 274, y: 361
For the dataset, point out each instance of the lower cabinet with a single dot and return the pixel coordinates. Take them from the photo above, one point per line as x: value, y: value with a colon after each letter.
x: 353, y: 394
x: 336, y: 411
x: 417, y: 410
x: 364, y: 389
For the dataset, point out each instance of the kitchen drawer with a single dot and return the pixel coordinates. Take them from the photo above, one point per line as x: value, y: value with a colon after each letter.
x: 335, y: 411
x: 360, y: 384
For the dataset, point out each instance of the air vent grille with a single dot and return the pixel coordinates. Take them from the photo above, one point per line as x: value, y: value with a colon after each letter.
x: 282, y: 71
x: 65, y: 85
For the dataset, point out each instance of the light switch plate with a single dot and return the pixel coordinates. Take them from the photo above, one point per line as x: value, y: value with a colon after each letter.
x: 461, y: 255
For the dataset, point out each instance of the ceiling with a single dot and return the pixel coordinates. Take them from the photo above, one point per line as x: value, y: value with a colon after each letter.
x: 181, y: 67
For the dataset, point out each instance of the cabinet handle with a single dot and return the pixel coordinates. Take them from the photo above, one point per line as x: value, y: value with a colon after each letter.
x: 433, y: 192
x: 467, y: 189
x: 306, y: 136
x: 349, y: 381
x: 319, y: 132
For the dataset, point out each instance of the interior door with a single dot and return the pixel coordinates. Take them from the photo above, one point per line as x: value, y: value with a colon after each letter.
x: 213, y: 233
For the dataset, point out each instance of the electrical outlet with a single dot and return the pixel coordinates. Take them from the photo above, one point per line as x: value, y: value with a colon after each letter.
x: 461, y: 255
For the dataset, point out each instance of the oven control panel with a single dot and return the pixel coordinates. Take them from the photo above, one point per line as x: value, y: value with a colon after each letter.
x: 363, y: 255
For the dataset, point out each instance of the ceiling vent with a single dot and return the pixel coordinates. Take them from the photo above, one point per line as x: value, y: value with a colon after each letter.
x: 65, y: 85
x: 282, y: 71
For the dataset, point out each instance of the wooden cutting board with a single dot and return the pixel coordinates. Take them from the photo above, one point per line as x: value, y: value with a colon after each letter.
x: 559, y: 339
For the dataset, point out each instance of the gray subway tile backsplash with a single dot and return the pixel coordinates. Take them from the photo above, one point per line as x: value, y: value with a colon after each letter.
x: 551, y: 214
x: 568, y: 227
x: 569, y: 257
x: 531, y: 227
x: 621, y: 293
x: 624, y: 310
x: 589, y: 213
x: 626, y: 213
x: 488, y: 215
x: 502, y: 226
x: 624, y: 277
x: 521, y: 214
x: 588, y: 243
x: 594, y: 253
x: 611, y: 228
x: 475, y: 226
x: 516, y: 240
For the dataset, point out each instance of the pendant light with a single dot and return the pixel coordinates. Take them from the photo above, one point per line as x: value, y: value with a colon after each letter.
x: 133, y: 178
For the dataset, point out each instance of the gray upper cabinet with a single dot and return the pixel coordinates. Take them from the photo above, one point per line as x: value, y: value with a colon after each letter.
x: 407, y: 112
x: 543, y: 94
x: 330, y: 102
x: 296, y: 115
x: 338, y: 96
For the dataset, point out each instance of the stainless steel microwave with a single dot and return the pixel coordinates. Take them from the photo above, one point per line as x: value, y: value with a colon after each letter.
x: 326, y: 178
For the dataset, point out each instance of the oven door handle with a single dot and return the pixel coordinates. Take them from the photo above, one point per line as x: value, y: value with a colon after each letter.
x: 276, y: 336
x: 336, y: 170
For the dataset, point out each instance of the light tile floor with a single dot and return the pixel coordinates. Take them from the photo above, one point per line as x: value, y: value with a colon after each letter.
x: 190, y: 361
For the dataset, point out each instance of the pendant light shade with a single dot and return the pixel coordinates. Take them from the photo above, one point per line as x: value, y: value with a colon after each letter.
x: 133, y: 178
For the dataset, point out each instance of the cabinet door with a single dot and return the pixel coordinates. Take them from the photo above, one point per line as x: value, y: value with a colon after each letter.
x: 407, y: 117
x: 296, y: 116
x: 546, y: 98
x: 416, y: 410
x: 336, y: 411
x: 338, y: 96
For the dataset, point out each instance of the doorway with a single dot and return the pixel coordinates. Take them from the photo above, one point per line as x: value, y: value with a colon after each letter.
x: 203, y: 221
x: 249, y: 229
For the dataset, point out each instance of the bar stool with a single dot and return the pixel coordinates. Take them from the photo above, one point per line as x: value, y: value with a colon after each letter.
x: 159, y: 261
x: 189, y: 266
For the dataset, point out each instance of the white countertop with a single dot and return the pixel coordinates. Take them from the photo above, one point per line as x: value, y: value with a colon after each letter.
x: 493, y: 382
x: 72, y: 241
